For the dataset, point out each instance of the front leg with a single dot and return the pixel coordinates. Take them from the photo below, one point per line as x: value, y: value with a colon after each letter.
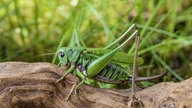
x: 68, y: 71
x: 72, y: 89
x: 76, y: 85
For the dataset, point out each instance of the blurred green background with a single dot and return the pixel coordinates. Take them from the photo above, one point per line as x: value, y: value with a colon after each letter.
x: 32, y: 30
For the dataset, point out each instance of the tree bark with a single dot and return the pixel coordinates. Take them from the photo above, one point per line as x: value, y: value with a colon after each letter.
x: 33, y: 85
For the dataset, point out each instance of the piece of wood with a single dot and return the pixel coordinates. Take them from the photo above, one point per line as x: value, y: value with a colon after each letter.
x: 32, y: 85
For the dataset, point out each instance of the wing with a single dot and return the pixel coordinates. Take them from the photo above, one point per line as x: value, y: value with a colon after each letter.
x: 120, y: 58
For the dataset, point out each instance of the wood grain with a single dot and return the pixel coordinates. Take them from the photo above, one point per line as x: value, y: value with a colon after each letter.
x: 32, y: 85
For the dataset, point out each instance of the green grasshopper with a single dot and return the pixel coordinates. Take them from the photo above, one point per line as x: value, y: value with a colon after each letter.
x: 104, y: 64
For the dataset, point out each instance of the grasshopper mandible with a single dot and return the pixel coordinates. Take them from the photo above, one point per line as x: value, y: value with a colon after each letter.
x: 104, y: 64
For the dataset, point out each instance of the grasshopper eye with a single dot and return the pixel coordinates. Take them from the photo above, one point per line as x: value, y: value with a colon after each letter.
x: 61, y: 54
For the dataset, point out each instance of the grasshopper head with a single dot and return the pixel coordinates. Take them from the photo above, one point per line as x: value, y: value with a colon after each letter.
x: 63, y: 56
